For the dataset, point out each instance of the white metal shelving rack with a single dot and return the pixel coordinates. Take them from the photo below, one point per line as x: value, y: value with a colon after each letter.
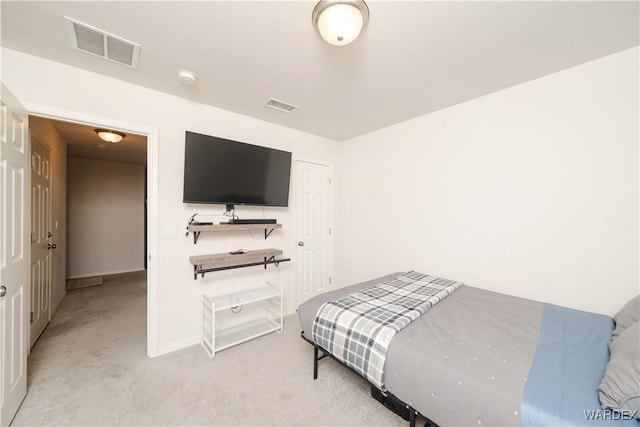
x: 215, y: 339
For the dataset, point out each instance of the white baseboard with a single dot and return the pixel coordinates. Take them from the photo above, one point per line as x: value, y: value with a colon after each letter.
x: 170, y: 348
x: 104, y: 273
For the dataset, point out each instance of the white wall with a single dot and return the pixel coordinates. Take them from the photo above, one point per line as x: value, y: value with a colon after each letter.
x: 530, y: 191
x: 36, y: 81
x: 105, y: 203
x: 46, y: 134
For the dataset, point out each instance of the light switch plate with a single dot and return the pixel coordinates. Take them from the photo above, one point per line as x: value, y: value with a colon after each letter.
x: 169, y: 230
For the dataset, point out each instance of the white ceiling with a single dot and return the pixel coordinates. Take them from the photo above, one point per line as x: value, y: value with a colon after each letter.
x: 413, y: 58
x: 83, y: 141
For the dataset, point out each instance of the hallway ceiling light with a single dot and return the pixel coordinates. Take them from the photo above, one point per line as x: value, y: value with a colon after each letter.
x: 340, y: 21
x: 111, y: 136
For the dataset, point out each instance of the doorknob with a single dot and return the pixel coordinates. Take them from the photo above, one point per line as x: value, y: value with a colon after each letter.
x: 300, y: 243
x: 3, y: 291
x: 50, y: 246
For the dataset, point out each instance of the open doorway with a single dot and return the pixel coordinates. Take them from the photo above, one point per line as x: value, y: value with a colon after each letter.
x: 106, y: 199
x: 100, y: 209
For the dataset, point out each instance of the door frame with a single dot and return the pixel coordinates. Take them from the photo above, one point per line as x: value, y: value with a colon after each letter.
x: 151, y: 133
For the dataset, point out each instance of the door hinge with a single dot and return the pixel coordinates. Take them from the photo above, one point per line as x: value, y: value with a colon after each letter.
x: 32, y: 317
x: 329, y: 230
x: 329, y: 279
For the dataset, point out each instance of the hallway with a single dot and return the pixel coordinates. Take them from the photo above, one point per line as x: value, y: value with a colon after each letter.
x: 87, y: 352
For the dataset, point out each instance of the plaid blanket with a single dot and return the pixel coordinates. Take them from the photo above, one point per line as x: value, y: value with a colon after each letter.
x: 357, y: 328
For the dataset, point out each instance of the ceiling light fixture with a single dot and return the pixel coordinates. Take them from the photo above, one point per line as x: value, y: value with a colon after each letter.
x: 340, y: 21
x: 111, y: 136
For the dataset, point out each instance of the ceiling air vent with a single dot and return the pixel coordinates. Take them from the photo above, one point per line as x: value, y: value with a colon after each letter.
x: 280, y: 105
x: 100, y: 43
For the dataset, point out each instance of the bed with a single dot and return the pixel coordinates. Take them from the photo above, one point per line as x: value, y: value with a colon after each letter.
x: 482, y: 358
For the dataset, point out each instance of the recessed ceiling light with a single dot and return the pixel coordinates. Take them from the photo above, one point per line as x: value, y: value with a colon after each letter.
x: 187, y: 77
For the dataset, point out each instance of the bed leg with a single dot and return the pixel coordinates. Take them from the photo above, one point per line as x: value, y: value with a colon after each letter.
x: 315, y: 362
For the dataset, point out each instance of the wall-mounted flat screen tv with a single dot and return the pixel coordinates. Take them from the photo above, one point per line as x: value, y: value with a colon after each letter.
x: 222, y: 171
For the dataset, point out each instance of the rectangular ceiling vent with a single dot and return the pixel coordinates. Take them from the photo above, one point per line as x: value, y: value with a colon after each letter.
x: 91, y: 40
x: 280, y: 105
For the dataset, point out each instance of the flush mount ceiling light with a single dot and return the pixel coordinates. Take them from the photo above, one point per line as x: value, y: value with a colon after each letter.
x: 111, y: 136
x: 340, y: 21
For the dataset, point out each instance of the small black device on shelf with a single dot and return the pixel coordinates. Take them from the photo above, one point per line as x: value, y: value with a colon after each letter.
x: 250, y: 221
x: 193, y: 221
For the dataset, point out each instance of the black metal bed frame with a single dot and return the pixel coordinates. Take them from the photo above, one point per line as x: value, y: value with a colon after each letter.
x: 388, y: 399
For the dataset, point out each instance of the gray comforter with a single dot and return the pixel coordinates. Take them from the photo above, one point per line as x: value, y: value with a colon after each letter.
x: 465, y: 362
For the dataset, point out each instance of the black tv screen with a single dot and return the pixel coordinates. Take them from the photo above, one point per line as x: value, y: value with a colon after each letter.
x: 218, y: 170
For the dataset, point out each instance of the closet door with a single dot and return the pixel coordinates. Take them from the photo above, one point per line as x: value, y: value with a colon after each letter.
x: 314, y: 205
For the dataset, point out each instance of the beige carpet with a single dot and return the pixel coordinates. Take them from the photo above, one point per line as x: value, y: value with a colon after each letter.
x: 90, y: 368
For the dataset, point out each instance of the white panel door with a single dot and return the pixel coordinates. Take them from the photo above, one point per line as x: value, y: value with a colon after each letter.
x: 14, y: 255
x: 40, y: 239
x: 314, y: 207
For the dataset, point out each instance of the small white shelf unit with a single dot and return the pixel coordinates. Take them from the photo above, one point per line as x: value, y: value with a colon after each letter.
x: 214, y: 339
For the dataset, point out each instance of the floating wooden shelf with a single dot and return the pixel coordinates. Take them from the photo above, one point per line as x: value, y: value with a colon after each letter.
x: 196, y: 229
x: 225, y: 261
